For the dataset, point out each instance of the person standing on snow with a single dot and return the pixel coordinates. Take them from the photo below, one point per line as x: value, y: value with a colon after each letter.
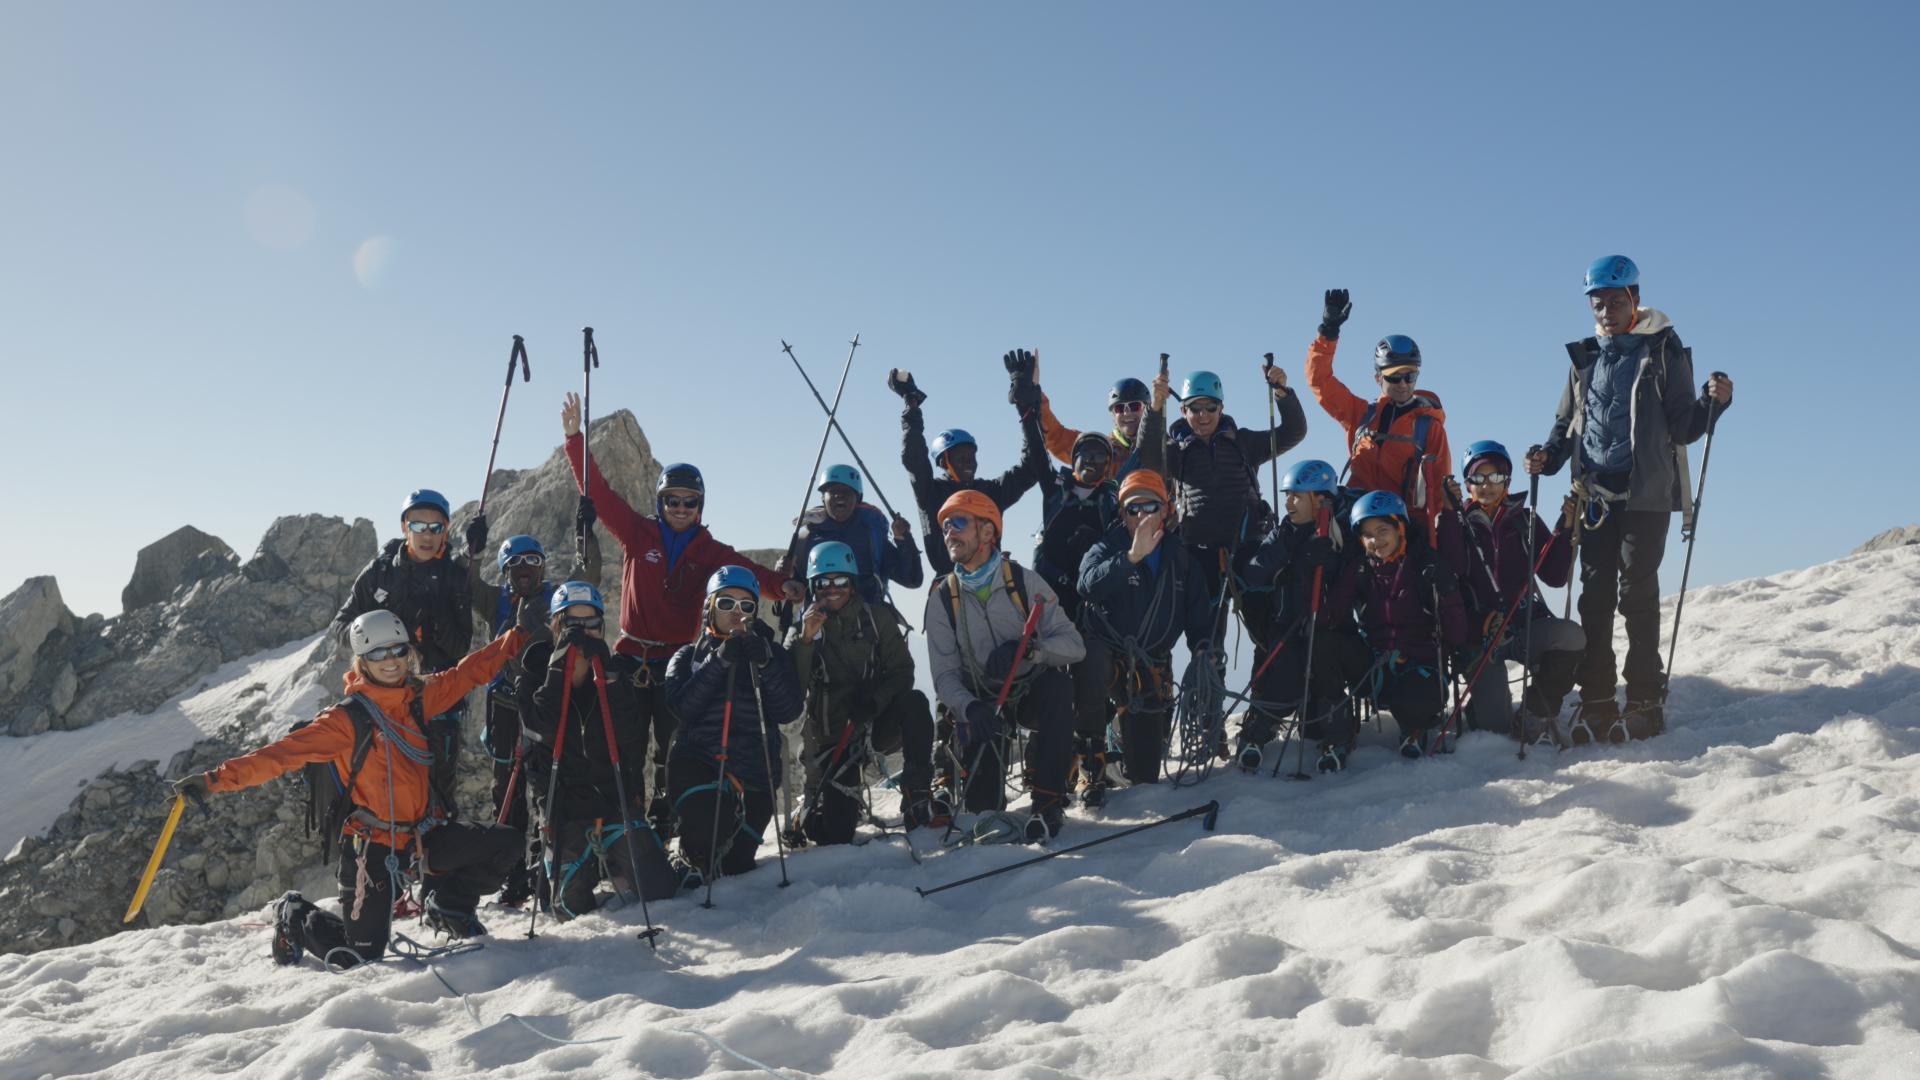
x: 666, y: 561
x: 726, y: 760
x: 1077, y: 507
x: 955, y: 452
x: 396, y: 768
x: 418, y: 578
x: 842, y: 518
x: 1141, y: 593
x: 975, y: 617
x: 857, y: 675
x: 587, y: 821
x: 1126, y: 401
x: 1397, y: 442
x: 1495, y: 527
x: 1626, y: 416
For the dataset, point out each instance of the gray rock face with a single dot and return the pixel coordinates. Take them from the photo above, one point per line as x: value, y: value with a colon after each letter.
x: 1901, y: 537
x: 28, y: 616
x: 182, y: 557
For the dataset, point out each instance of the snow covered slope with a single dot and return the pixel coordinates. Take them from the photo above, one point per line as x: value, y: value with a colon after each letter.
x: 1740, y: 898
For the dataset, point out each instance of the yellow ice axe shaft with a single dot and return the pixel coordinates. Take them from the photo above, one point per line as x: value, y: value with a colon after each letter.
x: 153, y: 863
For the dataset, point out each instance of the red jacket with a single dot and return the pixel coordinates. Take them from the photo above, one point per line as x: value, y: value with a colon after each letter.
x: 658, y: 605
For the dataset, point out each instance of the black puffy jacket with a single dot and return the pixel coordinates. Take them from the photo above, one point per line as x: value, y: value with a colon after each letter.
x: 1071, y: 526
x: 1213, y: 480
x: 1153, y: 607
x: 700, y: 685
x: 433, y: 598
x: 587, y: 787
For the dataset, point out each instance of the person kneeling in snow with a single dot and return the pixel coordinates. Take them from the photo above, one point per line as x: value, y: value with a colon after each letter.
x: 588, y: 823
x: 861, y: 704
x: 397, y: 770
x: 722, y: 771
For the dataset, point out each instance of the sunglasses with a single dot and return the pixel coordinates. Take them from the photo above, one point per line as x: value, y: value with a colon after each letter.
x: 1143, y: 507
x: 680, y: 502
x: 1127, y: 407
x: 588, y: 622
x: 433, y: 527
x: 529, y: 559
x: 1478, y: 479
x: 954, y: 523
x: 387, y: 652
x: 728, y: 603
x: 1404, y: 377
x: 1201, y: 407
x: 833, y: 581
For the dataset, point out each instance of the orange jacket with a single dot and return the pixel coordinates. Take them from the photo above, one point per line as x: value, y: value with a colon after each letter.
x: 1377, y: 464
x: 1060, y: 440
x: 330, y: 738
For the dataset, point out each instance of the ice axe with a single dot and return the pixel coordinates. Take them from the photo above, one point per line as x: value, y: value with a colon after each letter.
x: 153, y: 861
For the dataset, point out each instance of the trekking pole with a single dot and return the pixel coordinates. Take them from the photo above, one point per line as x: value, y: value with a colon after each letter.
x: 719, y: 786
x: 620, y: 791
x: 1210, y: 815
x: 1526, y: 634
x: 833, y: 421
x: 548, y: 851
x: 1273, y: 441
x: 1692, y: 530
x: 786, y: 607
x: 153, y: 861
x: 526, y: 375
x: 766, y: 754
x: 1322, y: 521
x: 1486, y: 654
x: 589, y: 359
x: 513, y: 785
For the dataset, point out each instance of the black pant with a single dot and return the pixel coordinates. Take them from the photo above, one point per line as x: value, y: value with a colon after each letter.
x: 1412, y: 691
x: 904, y: 724
x: 464, y: 861
x: 716, y: 819
x: 1046, y: 709
x: 591, y: 850
x: 1620, y: 566
x: 502, y: 741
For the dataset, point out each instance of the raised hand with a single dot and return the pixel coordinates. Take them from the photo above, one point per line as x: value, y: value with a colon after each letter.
x: 1338, y: 307
x: 570, y: 415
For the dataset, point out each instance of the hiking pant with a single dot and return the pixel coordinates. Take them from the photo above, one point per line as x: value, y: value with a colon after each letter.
x: 719, y: 823
x: 650, y: 679
x: 1143, y: 703
x: 1556, y: 655
x: 1045, y: 709
x: 1210, y: 558
x: 1412, y: 690
x: 905, y: 725
x: 591, y: 851
x: 502, y: 739
x: 1620, y: 566
x: 1092, y: 715
x: 464, y: 861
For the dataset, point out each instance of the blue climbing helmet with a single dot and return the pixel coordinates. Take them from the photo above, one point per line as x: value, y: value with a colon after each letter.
x: 1377, y: 504
x: 1395, y: 351
x: 733, y: 577
x: 949, y: 439
x: 841, y: 474
x: 515, y: 546
x: 1311, y: 475
x: 1485, y: 448
x: 574, y: 592
x: 1201, y: 384
x: 1127, y: 390
x: 681, y: 475
x: 832, y: 557
x: 429, y: 498
x: 1612, y: 272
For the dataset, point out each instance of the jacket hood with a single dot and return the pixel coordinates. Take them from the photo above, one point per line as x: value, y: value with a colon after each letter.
x: 1646, y: 320
x: 1180, y: 431
x: 1423, y: 401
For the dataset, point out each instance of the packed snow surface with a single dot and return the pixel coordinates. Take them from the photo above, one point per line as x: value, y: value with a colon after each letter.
x: 1739, y: 898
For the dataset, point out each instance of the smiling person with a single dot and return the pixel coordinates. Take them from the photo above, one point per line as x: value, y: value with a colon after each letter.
x: 1626, y: 417
x: 842, y: 518
x: 1077, y: 507
x: 418, y: 578
x: 666, y: 561
x: 395, y: 767
x: 956, y: 453
x: 1127, y: 406
x: 860, y: 705
x: 975, y: 617
x: 725, y: 764
x: 1396, y: 442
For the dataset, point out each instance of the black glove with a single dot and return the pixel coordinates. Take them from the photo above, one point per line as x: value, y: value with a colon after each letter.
x: 901, y: 382
x: 1000, y: 661
x: 588, y: 646
x: 1024, y: 395
x: 1318, y: 551
x: 1019, y: 365
x: 1436, y: 577
x: 193, y: 787
x: 983, y: 724
x: 527, y: 616
x: 748, y: 647
x: 477, y: 535
x: 584, y: 516
x: 1338, y: 307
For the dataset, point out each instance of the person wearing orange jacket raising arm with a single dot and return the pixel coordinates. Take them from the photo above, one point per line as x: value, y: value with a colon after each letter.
x: 1397, y: 442
x: 396, y: 768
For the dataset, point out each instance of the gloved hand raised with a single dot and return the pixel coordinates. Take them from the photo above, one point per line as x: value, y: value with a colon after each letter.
x: 1338, y: 308
x: 1021, y: 364
x: 901, y: 382
x: 585, y: 515
x: 476, y: 536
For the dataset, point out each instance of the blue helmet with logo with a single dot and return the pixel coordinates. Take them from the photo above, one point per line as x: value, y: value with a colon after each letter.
x: 1377, y: 504
x: 840, y: 474
x: 1395, y: 351
x: 1310, y: 475
x: 1612, y: 272
x: 832, y: 557
x: 1485, y: 448
x: 429, y: 498
x: 574, y: 592
x: 1201, y: 384
x: 947, y: 440
x: 515, y: 546
x: 733, y: 577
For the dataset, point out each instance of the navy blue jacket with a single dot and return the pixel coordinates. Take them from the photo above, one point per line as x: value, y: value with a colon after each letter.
x: 1285, y: 561
x: 1070, y: 527
x: 1153, y: 607
x: 878, y: 554
x: 699, y: 686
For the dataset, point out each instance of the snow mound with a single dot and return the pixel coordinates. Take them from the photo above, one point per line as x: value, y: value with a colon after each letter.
x: 1740, y: 898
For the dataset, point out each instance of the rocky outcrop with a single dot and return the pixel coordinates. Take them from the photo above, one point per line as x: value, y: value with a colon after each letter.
x: 37, y: 680
x: 1903, y: 536
x: 181, y: 558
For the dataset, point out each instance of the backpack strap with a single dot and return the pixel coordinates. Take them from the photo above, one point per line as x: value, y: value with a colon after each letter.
x: 1013, y: 579
x: 363, y: 728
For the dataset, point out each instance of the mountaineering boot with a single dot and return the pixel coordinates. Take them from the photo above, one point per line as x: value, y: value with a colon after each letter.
x: 1414, y: 746
x: 1644, y: 719
x: 1592, y: 720
x: 290, y: 928
x: 928, y: 812
x: 690, y: 876
x: 1333, y: 758
x: 660, y: 815
x: 451, y: 921
x: 1250, y: 755
x: 1046, y: 823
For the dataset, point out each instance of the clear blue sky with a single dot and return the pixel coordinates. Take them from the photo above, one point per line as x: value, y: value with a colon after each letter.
x: 187, y: 189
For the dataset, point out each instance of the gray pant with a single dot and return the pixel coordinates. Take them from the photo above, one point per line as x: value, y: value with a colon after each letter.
x: 1557, y: 647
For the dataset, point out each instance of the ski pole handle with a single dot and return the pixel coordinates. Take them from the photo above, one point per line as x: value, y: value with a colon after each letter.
x: 519, y: 353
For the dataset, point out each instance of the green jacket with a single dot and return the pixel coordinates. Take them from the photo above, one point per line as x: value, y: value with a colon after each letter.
x: 856, y: 667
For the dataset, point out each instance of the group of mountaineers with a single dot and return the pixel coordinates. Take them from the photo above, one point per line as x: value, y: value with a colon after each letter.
x: 645, y: 747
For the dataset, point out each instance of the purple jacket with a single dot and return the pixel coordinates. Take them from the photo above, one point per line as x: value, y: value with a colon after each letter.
x: 1395, y: 600
x: 1495, y: 559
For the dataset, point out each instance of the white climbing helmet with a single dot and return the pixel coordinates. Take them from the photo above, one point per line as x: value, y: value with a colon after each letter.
x: 376, y: 630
